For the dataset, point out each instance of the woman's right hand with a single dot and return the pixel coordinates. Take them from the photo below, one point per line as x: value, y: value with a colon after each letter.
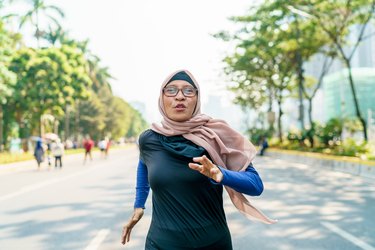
x: 137, y: 215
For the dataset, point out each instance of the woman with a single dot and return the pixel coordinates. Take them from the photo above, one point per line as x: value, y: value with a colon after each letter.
x: 39, y: 152
x: 186, y: 161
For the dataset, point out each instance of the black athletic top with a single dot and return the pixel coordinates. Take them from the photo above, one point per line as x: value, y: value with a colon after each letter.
x: 187, y: 207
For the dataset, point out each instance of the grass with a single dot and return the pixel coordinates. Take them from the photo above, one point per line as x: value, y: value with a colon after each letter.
x: 351, y: 159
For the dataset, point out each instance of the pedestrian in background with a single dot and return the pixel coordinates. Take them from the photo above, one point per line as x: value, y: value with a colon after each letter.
x: 187, y: 161
x: 58, y: 152
x: 39, y: 152
x: 88, y: 144
x: 107, y: 147
x: 102, y: 145
x: 48, y: 142
x: 264, y: 146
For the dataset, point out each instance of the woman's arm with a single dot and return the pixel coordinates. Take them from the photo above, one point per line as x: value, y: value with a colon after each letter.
x: 142, y: 186
x: 142, y: 190
x: 246, y: 182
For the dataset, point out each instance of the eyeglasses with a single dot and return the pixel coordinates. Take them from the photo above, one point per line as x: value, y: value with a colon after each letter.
x: 172, y: 91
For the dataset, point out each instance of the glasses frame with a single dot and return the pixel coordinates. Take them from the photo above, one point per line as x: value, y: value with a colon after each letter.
x: 180, y: 89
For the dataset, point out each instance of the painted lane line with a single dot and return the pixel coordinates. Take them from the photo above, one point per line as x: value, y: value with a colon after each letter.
x: 356, y: 241
x: 99, y: 238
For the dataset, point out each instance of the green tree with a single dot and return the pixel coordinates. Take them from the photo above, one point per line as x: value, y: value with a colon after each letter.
x: 336, y: 19
x: 33, y: 16
x: 92, y: 114
x: 7, y: 77
x: 270, y: 51
x: 137, y: 125
x: 55, y: 36
x: 49, y: 79
x: 120, y: 118
x: 310, y: 90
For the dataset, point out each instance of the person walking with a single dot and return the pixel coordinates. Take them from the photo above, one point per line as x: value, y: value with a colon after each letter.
x: 264, y: 146
x: 102, y: 145
x: 107, y: 147
x: 88, y: 144
x: 187, y: 160
x: 58, y: 152
x: 39, y: 152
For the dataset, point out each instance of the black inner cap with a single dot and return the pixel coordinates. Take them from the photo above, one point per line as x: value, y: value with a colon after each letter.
x: 182, y: 76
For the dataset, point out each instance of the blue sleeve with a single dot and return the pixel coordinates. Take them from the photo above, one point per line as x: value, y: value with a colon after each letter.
x: 142, y: 187
x: 246, y: 182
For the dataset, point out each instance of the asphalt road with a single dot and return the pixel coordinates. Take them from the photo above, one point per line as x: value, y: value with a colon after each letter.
x: 84, y: 207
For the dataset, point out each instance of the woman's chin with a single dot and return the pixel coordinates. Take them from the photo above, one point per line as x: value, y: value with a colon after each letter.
x: 180, y: 117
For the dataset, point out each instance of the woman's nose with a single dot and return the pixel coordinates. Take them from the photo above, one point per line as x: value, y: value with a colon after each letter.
x: 180, y: 95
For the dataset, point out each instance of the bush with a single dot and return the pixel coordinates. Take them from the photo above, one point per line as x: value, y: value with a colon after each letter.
x: 330, y: 133
x: 256, y: 134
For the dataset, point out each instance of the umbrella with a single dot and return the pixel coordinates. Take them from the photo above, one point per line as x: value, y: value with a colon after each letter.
x: 35, y: 138
x: 50, y: 136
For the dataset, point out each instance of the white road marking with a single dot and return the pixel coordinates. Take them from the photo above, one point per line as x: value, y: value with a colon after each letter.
x: 99, y: 238
x: 347, y: 236
x: 43, y: 184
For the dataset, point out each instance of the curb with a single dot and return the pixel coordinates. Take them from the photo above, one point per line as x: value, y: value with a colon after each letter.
x: 354, y: 167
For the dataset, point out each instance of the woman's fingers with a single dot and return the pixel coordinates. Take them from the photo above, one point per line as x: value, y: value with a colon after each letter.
x: 206, y: 161
x: 203, y: 160
x: 195, y: 166
x: 126, y: 231
x: 125, y: 234
x: 128, y: 234
x: 204, y: 167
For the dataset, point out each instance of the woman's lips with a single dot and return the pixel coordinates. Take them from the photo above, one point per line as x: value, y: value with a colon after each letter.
x: 180, y: 107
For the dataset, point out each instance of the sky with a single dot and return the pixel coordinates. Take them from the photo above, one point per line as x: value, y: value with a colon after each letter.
x: 143, y: 41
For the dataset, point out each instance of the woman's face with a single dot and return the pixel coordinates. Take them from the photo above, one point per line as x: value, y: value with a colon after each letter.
x: 179, y: 108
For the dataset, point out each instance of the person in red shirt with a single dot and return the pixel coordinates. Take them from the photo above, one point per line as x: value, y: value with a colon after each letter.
x: 88, y: 144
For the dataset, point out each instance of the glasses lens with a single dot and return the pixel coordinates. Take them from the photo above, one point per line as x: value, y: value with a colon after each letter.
x: 170, y: 91
x: 188, y: 91
x: 173, y: 91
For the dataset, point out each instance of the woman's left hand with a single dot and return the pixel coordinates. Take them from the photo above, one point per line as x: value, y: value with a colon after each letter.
x: 207, y: 168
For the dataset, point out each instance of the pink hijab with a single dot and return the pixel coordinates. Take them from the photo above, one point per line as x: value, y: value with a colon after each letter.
x: 226, y: 147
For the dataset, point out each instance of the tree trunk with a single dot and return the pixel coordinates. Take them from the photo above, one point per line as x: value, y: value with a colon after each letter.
x: 279, y: 125
x: 76, y: 122
x: 310, y: 134
x: 67, y: 132
x: 301, y: 78
x: 355, y: 99
x: 41, y: 127
x: 271, y: 123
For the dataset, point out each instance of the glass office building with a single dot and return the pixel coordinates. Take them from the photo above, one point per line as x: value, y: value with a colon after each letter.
x: 338, y: 97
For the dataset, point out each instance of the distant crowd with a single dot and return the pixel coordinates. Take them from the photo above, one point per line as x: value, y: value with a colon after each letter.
x: 51, y: 149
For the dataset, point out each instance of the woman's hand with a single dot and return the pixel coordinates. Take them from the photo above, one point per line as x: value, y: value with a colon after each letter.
x: 137, y: 215
x: 207, y: 168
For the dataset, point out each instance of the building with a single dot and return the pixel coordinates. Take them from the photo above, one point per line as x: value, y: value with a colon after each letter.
x: 338, y: 97
x: 335, y: 98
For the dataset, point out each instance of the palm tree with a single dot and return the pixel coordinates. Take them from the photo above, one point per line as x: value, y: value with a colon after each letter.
x: 99, y: 75
x: 54, y: 36
x: 33, y: 16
